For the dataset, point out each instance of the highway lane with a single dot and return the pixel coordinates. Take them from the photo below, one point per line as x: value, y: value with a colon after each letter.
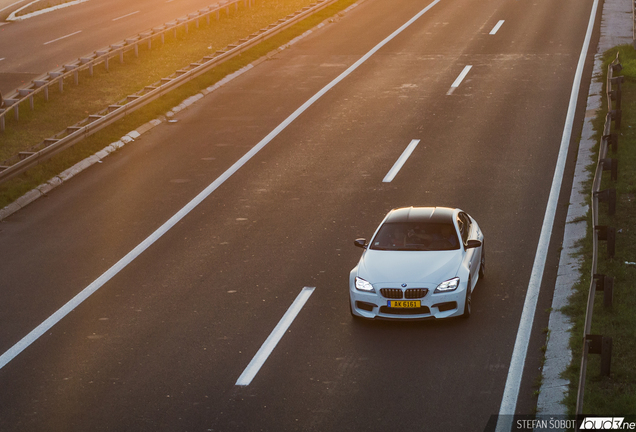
x: 161, y: 345
x: 49, y: 40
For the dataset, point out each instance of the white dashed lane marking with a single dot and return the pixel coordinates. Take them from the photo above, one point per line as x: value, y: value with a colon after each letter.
x: 459, y: 79
x: 277, y: 334
x: 63, y: 37
x: 400, y: 162
x: 496, y: 27
x: 126, y: 16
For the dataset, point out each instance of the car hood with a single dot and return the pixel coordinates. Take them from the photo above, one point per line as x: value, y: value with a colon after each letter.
x: 432, y: 267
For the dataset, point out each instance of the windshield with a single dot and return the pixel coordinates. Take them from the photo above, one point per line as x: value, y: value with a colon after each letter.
x: 418, y: 236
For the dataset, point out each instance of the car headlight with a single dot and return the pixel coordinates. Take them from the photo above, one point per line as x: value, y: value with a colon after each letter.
x: 447, y: 286
x: 363, y: 285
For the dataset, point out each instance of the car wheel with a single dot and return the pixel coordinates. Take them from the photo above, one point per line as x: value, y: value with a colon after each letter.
x: 482, y: 264
x: 467, y: 302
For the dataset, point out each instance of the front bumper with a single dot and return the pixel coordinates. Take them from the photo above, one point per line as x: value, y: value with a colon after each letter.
x: 433, y: 305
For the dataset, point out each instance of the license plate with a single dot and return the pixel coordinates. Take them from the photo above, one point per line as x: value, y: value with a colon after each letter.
x: 404, y: 303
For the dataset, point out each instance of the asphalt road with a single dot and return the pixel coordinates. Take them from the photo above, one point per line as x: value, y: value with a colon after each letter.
x: 52, y: 39
x: 161, y: 345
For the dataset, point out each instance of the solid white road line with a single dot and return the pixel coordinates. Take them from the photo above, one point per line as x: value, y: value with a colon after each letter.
x: 459, y: 79
x: 111, y: 272
x: 496, y: 27
x: 515, y: 373
x: 270, y: 343
x: 12, y: 4
x: 126, y: 16
x: 401, y: 160
x: 63, y: 37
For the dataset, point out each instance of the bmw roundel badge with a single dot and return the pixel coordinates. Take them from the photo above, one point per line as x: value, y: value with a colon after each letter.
x: 403, y: 285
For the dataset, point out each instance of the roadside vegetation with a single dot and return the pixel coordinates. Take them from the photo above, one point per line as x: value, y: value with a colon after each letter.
x: 614, y: 395
x: 95, y: 93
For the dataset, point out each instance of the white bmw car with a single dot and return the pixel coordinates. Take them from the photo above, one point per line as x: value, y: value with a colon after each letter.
x: 422, y: 262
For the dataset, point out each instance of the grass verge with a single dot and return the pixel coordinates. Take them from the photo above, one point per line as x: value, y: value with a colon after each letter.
x: 104, y: 88
x: 616, y: 394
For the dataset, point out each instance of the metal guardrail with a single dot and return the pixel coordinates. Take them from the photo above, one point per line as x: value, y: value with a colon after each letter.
x: 598, y: 344
x: 93, y: 123
x: 41, y: 84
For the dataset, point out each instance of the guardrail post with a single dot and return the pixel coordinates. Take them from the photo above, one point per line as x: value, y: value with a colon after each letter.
x: 104, y: 53
x: 13, y: 103
x: 184, y: 21
x: 601, y: 345
x: 120, y: 48
x: 161, y: 31
x: 88, y: 60
x: 60, y: 80
x: 606, y: 285
x: 133, y: 42
x: 43, y: 83
x: 149, y: 36
x: 69, y: 68
x: 608, y: 196
x: 27, y: 92
x: 607, y: 234
x: 611, y: 164
x: 606, y: 356
x: 617, y: 115
x: 616, y: 94
x: 172, y: 25
x: 612, y: 141
x: 195, y: 17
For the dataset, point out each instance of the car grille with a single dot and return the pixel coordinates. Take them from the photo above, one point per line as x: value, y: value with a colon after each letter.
x: 397, y: 293
x: 400, y: 311
x: 392, y: 293
x: 415, y: 293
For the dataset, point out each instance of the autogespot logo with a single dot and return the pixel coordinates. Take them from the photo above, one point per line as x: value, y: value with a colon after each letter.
x: 606, y: 423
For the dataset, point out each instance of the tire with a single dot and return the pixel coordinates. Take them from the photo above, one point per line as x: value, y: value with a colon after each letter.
x: 482, y: 264
x: 468, y: 301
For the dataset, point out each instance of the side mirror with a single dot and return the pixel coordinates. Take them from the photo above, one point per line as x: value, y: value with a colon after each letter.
x: 361, y: 243
x: 473, y: 244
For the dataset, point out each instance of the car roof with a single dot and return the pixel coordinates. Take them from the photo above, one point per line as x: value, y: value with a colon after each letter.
x: 421, y: 214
